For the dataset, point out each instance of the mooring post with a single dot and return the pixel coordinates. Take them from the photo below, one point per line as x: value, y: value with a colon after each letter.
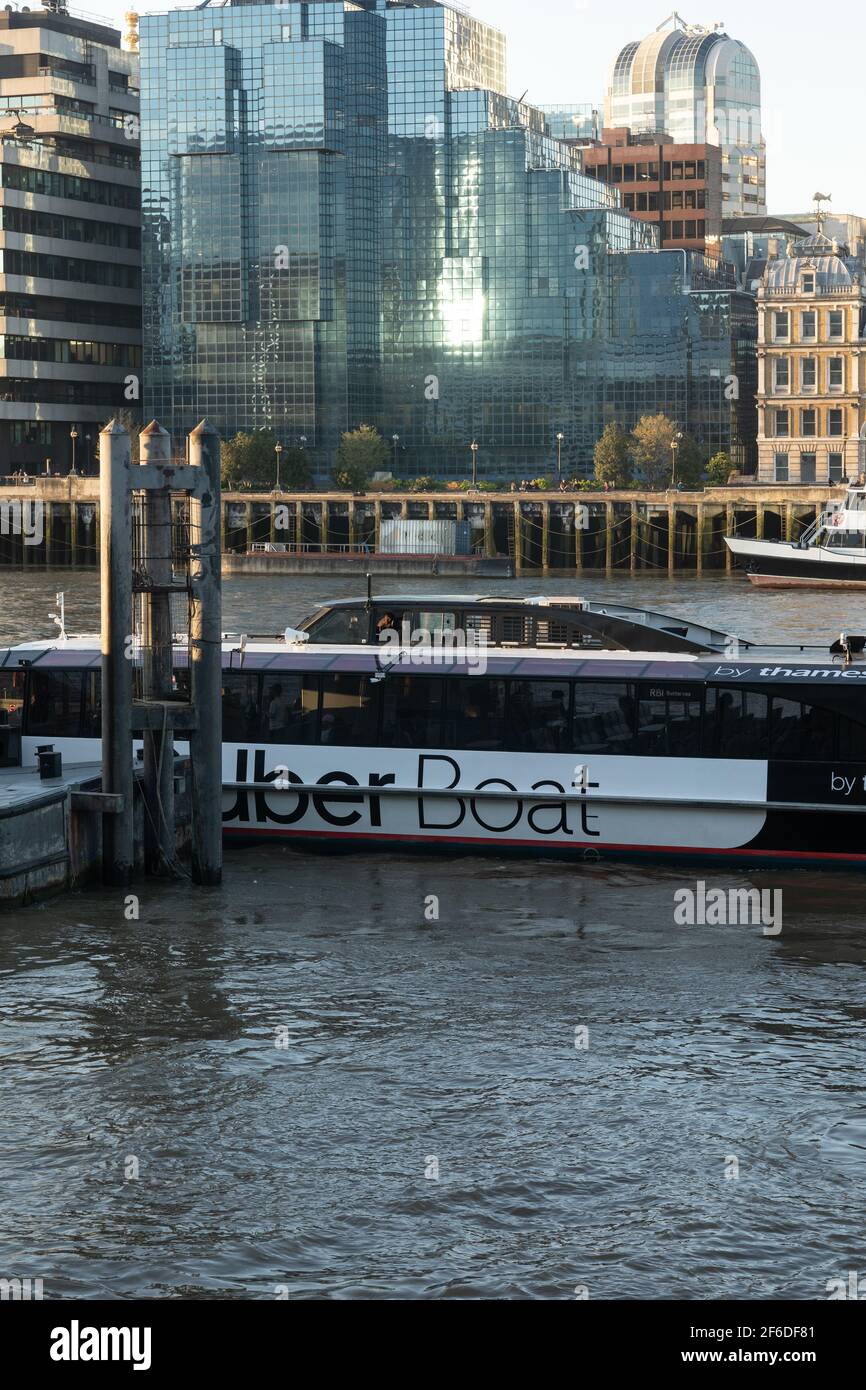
x: 154, y: 447
x: 729, y: 531
x: 118, y: 833
x: 206, y: 657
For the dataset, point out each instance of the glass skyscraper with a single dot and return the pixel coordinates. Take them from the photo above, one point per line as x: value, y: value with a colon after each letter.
x: 264, y: 135
x: 698, y: 85
x: 347, y: 220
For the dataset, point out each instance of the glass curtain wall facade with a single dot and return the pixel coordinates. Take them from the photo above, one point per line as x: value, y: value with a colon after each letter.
x: 264, y: 134
x: 347, y: 220
x: 520, y: 300
x: 698, y: 86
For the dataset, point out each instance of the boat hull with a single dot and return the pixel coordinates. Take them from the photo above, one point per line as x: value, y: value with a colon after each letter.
x: 781, y: 565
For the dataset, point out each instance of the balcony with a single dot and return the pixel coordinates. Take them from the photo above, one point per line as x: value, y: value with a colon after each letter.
x: 819, y: 292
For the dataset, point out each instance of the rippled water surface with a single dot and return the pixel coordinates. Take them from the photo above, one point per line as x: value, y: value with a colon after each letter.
x: 149, y: 1046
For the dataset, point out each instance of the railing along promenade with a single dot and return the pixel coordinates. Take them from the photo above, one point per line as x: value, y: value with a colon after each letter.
x: 562, y: 532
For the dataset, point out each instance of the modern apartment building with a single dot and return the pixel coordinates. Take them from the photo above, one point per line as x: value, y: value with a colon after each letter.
x: 70, y: 319
x: 702, y: 88
x: 812, y: 364
x: 678, y: 188
x: 347, y: 220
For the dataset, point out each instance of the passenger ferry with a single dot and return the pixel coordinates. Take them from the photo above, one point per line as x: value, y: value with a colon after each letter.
x: 831, y: 553
x: 751, y: 756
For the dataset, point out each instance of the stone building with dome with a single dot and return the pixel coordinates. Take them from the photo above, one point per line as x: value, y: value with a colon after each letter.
x: 812, y: 364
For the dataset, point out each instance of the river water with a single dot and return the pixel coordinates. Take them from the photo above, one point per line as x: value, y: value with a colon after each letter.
x: 298, y: 1085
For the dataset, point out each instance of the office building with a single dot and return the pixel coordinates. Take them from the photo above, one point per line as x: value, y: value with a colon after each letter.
x: 70, y: 319
x: 574, y: 124
x: 347, y: 220
x: 264, y: 131
x: 678, y: 188
x: 811, y: 363
x: 701, y: 87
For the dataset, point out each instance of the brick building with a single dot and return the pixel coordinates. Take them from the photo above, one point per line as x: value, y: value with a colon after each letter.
x: 676, y: 187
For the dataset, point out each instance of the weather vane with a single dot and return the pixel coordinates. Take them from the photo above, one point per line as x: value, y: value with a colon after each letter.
x: 820, y: 214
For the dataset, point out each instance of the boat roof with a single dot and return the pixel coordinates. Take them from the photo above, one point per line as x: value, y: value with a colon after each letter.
x: 769, y: 665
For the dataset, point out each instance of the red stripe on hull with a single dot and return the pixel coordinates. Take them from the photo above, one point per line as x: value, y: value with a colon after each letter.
x: 778, y: 581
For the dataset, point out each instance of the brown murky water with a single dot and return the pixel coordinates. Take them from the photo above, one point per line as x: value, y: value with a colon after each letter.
x: 157, y: 1140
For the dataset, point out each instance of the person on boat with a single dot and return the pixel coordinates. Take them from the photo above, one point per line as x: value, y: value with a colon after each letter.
x: 387, y: 623
x: 278, y: 710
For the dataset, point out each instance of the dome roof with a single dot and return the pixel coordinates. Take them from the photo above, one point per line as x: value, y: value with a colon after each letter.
x: 831, y: 272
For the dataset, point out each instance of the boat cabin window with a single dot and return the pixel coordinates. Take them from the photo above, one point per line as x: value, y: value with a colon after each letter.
x: 539, y: 717
x: 241, y: 707
x: 55, y: 706
x: 11, y: 698
x: 344, y: 626
x: 91, y: 718
x: 799, y: 731
x: 436, y: 622
x: 412, y: 712
x: 11, y: 714
x: 736, y: 723
x: 669, y: 722
x: 475, y: 714
x: 603, y: 720
x: 289, y: 709
x: 348, y: 712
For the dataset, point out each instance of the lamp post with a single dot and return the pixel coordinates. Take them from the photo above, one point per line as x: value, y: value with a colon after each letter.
x: 278, y: 450
x: 395, y: 440
x: 48, y: 468
x: 20, y: 130
x: 87, y: 453
x: 559, y: 438
x: 675, y: 444
x: 73, y: 435
x: 474, y: 447
x: 302, y: 440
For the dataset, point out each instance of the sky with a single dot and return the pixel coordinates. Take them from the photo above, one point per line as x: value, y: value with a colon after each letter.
x: 560, y: 50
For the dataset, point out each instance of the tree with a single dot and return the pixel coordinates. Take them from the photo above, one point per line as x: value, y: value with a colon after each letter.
x: 296, y: 473
x: 612, y: 456
x: 252, y: 457
x: 690, y: 463
x: 652, y: 438
x: 719, y: 469
x: 362, y: 453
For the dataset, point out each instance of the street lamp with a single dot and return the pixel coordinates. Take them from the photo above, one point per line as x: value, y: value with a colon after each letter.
x: 87, y: 453
x: 395, y: 440
x: 20, y: 130
x: 303, y: 441
x: 474, y: 447
x: 559, y: 439
x: 278, y: 450
x: 73, y: 435
x: 675, y: 444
